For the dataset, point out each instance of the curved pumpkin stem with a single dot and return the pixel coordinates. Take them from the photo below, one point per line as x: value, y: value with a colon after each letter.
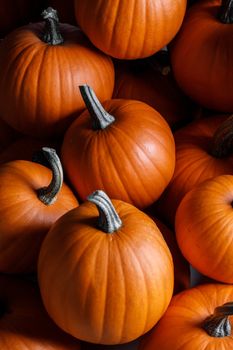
x: 52, y: 34
x: 101, y: 118
x: 109, y: 220
x: 48, y: 195
x: 223, y: 139
x: 218, y: 324
x: 226, y: 12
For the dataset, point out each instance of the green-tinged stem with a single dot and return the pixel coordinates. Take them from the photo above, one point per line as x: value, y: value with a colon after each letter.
x: 108, y: 221
x: 101, y: 118
x: 52, y: 35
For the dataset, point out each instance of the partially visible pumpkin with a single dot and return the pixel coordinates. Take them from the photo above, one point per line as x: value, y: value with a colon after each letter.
x: 41, y: 67
x: 202, y: 54
x: 24, y: 323
x: 198, y: 318
x: 32, y: 198
x: 203, y: 151
x: 111, y: 269
x: 151, y: 81
x: 204, y: 228
x: 130, y: 29
x: 123, y: 147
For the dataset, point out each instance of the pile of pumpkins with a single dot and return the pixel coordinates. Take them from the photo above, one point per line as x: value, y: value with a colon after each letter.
x: 116, y: 174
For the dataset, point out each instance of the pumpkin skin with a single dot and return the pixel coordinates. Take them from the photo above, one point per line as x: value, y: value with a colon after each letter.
x: 39, y: 82
x: 160, y: 91
x: 106, y: 26
x: 181, y: 265
x: 203, y: 228
x: 205, y: 43
x: 181, y: 326
x: 194, y: 163
x: 25, y: 220
x: 24, y: 323
x: 110, y: 287
x: 136, y: 153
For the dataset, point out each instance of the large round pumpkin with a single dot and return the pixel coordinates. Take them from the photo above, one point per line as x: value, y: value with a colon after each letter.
x: 24, y: 323
x: 203, y: 151
x: 204, y: 228
x: 112, y: 272
x: 41, y: 67
x: 202, y: 53
x: 197, y: 319
x: 124, y: 147
x: 32, y: 198
x: 130, y: 29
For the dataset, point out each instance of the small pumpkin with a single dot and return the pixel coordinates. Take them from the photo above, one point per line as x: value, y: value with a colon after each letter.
x: 111, y: 269
x: 204, y: 43
x: 32, y: 197
x: 198, y: 318
x: 41, y: 66
x: 203, y: 151
x: 24, y: 323
x: 126, y: 29
x: 204, y: 226
x: 123, y: 147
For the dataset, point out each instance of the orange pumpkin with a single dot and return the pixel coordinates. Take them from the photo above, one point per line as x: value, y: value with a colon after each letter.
x: 24, y: 323
x: 41, y: 67
x: 203, y: 151
x: 130, y: 29
x: 112, y: 272
x: 32, y: 198
x: 202, y: 52
x: 204, y: 228
x: 124, y: 147
x: 198, y: 318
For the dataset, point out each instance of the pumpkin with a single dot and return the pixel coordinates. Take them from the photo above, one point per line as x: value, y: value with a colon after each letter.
x: 203, y: 151
x: 24, y: 323
x: 130, y: 29
x: 181, y: 265
x: 197, y: 318
x: 203, y: 225
x: 41, y: 66
x: 111, y: 269
x: 204, y: 42
x: 23, y: 148
x: 32, y: 197
x: 123, y: 147
x: 151, y: 81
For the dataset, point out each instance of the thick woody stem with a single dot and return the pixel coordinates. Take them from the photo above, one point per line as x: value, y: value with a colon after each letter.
x: 108, y: 221
x: 226, y: 12
x: 52, y: 34
x: 101, y: 118
x: 218, y: 324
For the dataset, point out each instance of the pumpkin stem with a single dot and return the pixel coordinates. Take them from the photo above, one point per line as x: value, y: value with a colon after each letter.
x: 160, y: 62
x: 101, y: 119
x: 223, y: 139
x: 218, y: 324
x: 52, y: 34
x: 226, y: 12
x: 48, y: 195
x: 108, y: 221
